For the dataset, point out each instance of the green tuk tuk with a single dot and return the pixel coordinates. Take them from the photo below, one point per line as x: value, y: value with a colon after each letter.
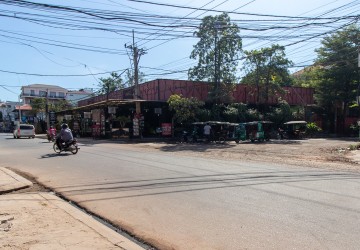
x: 253, y: 131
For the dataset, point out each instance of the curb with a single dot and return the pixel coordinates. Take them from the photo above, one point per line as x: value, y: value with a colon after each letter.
x: 12, y: 181
x: 112, y: 236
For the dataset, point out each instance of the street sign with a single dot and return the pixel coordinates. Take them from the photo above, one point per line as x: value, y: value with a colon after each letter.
x: 52, y: 117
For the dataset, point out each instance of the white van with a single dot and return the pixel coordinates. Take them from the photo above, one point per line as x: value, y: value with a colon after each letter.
x: 24, y: 130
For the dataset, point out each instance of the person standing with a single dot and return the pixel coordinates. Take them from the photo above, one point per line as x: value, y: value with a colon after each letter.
x: 207, y: 131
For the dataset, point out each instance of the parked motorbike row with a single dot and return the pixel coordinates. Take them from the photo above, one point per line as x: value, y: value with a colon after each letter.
x: 250, y: 131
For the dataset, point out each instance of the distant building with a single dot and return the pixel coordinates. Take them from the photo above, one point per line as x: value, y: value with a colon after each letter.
x: 8, y: 110
x: 74, y: 96
x: 52, y: 92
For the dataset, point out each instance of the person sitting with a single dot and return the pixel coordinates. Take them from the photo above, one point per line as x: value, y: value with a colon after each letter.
x: 52, y: 130
x: 65, y: 136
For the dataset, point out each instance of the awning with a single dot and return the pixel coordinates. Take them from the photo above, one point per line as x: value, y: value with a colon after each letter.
x: 25, y: 107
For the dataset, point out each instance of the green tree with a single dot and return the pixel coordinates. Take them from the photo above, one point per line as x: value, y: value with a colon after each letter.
x: 337, y: 73
x: 38, y: 105
x: 186, y: 109
x: 217, y: 52
x: 309, y: 77
x: 236, y: 112
x: 59, y: 105
x: 111, y: 83
x: 280, y: 114
x: 130, y: 80
x: 267, y: 69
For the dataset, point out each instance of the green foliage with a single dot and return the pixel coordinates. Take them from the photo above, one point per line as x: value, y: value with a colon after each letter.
x: 312, y: 129
x: 186, y: 109
x: 280, y: 114
x: 203, y: 115
x: 231, y: 114
x: 217, y: 112
x: 110, y: 84
x: 130, y: 80
x: 123, y: 120
x: 337, y: 71
x: 253, y: 115
x: 59, y: 106
x: 267, y: 69
x: 38, y: 105
x: 308, y: 78
x: 236, y: 112
x: 354, y: 147
x: 219, y: 38
x: 298, y: 113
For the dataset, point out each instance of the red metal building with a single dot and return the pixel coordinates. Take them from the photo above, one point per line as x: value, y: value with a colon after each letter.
x: 162, y: 89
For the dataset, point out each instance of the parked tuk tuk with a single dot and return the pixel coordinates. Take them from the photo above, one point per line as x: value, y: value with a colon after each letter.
x: 220, y: 131
x: 253, y: 131
x: 197, y: 132
x: 240, y: 132
x: 293, y: 130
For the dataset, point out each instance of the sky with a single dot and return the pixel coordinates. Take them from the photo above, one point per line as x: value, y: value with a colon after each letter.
x: 73, y: 43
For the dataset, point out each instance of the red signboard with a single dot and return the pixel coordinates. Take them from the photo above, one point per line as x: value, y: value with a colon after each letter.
x: 166, y: 129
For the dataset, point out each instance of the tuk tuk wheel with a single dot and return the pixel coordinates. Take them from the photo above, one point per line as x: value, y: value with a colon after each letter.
x: 221, y: 140
x: 237, y: 141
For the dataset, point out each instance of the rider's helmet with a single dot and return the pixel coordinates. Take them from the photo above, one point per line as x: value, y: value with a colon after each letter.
x: 64, y: 126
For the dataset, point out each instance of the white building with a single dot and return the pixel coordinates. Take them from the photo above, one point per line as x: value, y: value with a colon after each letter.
x: 54, y: 93
x: 74, y: 96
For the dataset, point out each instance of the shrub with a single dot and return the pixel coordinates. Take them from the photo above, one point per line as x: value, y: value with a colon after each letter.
x: 312, y: 129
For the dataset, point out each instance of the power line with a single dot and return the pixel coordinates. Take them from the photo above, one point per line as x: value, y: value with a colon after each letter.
x: 35, y: 74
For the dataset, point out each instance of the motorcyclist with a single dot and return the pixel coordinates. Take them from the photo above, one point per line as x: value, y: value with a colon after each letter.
x: 65, y: 135
x: 52, y: 130
x: 51, y: 133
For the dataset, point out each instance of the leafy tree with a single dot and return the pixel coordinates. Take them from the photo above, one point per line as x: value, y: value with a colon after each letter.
x: 308, y: 77
x: 110, y: 84
x: 236, y: 112
x: 59, y: 105
x: 267, y: 69
x: 217, y: 52
x: 38, y: 105
x: 312, y: 129
x: 186, y: 109
x: 338, y: 72
x: 253, y: 114
x: 130, y: 80
x: 280, y: 114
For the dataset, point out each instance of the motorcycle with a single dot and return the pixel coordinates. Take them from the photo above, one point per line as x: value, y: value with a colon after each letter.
x: 51, y: 136
x: 67, y: 147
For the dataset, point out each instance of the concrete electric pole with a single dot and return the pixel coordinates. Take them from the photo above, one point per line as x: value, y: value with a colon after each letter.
x: 137, y: 53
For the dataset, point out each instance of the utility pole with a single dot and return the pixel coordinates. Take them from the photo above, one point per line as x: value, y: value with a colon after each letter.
x: 138, y: 120
x: 358, y: 81
x: 137, y: 53
x: 217, y: 27
x: 47, y: 110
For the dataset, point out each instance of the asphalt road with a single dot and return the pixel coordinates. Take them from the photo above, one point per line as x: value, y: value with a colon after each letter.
x: 178, y: 202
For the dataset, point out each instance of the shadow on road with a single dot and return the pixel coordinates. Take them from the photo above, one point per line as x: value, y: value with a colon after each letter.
x: 53, y: 155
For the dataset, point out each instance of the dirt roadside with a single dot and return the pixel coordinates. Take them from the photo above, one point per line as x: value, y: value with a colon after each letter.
x: 316, y: 153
